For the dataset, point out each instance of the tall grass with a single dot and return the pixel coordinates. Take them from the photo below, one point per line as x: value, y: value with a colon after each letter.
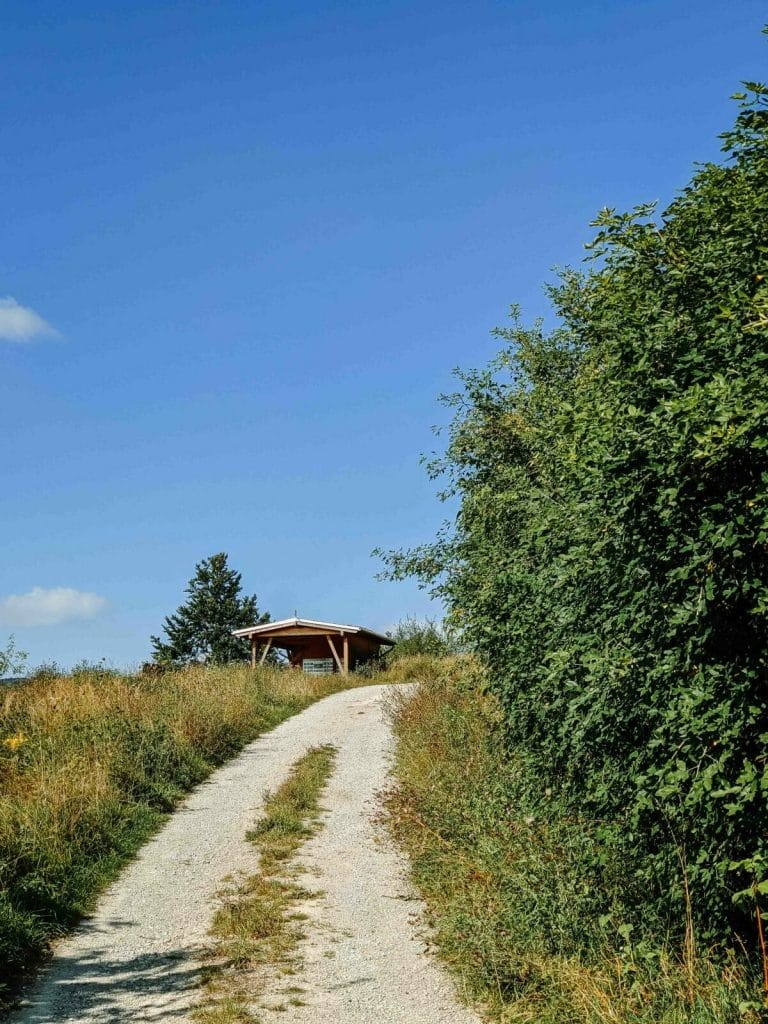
x: 90, y: 764
x: 526, y: 905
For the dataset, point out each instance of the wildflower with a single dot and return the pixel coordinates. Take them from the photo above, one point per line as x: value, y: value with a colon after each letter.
x: 13, y: 743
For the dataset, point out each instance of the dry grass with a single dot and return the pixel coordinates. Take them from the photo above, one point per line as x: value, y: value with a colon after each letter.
x: 257, y: 927
x: 90, y: 764
x: 515, y: 915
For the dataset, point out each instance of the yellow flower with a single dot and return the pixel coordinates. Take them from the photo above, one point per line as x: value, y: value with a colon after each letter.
x: 14, y: 742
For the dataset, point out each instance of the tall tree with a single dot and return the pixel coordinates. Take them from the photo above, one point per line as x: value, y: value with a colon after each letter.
x: 201, y: 628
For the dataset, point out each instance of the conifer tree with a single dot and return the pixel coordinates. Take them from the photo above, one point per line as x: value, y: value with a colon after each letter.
x: 201, y: 628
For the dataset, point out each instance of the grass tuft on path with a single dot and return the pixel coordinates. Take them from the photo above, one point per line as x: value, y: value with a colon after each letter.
x: 257, y: 927
x: 292, y: 812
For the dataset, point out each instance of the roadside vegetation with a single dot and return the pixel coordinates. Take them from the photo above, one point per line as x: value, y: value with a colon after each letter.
x: 529, y: 934
x: 257, y: 926
x: 608, y: 566
x: 420, y: 636
x: 12, y: 660
x: 90, y: 765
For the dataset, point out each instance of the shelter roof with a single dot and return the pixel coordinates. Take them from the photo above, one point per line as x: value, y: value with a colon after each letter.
x: 312, y: 626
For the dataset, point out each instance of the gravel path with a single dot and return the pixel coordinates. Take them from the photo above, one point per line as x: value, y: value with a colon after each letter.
x: 136, y: 958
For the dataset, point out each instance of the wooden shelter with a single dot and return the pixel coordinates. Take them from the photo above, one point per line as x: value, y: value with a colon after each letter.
x: 316, y: 647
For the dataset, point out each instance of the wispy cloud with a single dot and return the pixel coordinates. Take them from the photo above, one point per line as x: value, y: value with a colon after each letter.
x: 19, y: 323
x: 41, y: 607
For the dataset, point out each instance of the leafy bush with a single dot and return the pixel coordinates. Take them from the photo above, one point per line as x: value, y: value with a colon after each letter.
x: 502, y: 869
x: 12, y: 660
x: 421, y: 636
x: 610, y: 555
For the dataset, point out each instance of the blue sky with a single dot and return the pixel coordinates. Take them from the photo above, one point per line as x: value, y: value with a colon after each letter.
x: 262, y: 235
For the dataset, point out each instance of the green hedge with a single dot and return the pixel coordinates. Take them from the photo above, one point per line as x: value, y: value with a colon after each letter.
x: 610, y: 555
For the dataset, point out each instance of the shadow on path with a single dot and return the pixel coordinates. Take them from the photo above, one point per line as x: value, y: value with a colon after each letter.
x: 98, y: 986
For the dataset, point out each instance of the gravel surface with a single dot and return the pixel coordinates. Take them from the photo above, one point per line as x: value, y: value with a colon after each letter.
x: 364, y: 958
x: 136, y: 959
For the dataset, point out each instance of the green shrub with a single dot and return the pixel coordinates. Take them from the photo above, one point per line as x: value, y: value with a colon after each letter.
x: 610, y: 555
x: 530, y: 933
x: 12, y: 660
x: 421, y: 636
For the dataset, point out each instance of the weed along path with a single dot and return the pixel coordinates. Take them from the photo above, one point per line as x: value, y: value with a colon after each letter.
x: 362, y: 961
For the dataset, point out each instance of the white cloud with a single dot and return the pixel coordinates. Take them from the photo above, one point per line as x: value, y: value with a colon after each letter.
x: 18, y: 323
x: 41, y: 607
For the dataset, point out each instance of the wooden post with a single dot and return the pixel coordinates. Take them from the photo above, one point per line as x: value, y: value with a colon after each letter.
x: 254, y: 648
x: 265, y: 652
x: 335, y: 654
x: 346, y: 655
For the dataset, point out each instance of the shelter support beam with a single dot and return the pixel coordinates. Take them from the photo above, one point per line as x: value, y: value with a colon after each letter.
x: 335, y: 654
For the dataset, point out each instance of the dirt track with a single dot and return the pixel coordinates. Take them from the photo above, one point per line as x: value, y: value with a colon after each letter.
x: 137, y: 958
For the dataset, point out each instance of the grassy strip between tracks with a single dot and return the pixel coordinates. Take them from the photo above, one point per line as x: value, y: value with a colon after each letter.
x: 258, y: 925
